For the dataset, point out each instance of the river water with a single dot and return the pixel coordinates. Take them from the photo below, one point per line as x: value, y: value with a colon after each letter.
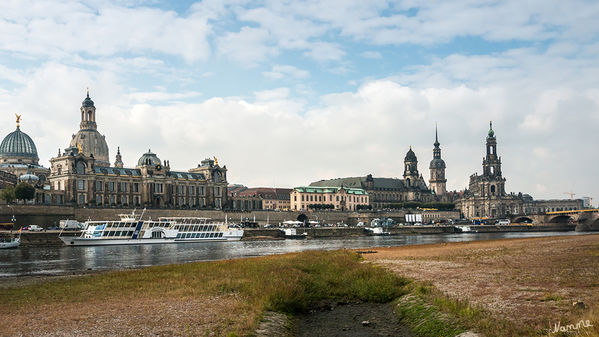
x: 28, y: 261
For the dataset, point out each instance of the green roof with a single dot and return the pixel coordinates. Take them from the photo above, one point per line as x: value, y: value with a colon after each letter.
x: 323, y: 190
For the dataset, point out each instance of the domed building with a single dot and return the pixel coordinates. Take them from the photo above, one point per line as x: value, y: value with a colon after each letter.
x: 91, y: 142
x: 18, y: 155
x: 84, y: 177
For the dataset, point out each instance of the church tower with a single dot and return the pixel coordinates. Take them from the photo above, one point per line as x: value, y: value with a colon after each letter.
x: 492, y: 168
x: 410, y: 173
x: 92, y: 143
x: 119, y: 160
x: 437, y: 168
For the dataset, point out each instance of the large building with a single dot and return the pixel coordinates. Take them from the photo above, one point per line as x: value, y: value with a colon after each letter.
x: 486, y: 196
x: 18, y: 156
x: 84, y: 176
x: 338, y: 198
x: 386, y: 191
x: 259, y: 198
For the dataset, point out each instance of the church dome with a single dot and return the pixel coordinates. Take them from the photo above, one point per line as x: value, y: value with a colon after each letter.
x: 29, y: 178
x: 410, y: 156
x: 87, y: 102
x: 18, y: 144
x: 149, y: 158
x: 437, y: 163
x: 92, y: 143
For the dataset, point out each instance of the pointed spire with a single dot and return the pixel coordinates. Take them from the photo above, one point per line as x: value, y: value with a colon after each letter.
x: 491, y: 132
x: 87, y: 91
x: 436, y: 137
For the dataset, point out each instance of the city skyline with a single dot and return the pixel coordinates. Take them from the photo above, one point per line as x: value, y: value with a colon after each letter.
x: 286, y: 94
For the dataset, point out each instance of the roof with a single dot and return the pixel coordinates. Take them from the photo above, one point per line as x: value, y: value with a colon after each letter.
x: 381, y: 184
x: 18, y: 144
x: 116, y: 171
x: 329, y: 189
x: 187, y: 175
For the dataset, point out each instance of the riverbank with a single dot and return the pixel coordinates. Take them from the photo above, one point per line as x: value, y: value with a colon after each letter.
x: 513, y: 287
x: 520, y: 286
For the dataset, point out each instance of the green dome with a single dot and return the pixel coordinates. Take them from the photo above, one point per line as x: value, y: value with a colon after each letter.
x: 18, y: 144
x: 149, y: 158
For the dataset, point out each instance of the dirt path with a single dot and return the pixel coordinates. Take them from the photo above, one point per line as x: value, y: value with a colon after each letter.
x: 351, y: 320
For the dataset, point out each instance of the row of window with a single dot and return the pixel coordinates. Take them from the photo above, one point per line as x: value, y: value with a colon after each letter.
x: 199, y: 235
x: 322, y: 198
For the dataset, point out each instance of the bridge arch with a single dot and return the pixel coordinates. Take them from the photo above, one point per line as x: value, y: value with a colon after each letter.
x: 523, y: 219
x: 561, y: 219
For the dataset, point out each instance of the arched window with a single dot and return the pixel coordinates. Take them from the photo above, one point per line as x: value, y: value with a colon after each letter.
x: 80, y: 168
x: 493, y: 189
x: 492, y: 169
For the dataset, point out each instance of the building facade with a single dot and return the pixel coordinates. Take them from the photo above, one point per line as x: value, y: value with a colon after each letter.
x: 486, y: 196
x: 259, y: 198
x: 385, y: 191
x: 83, y: 175
x: 339, y: 198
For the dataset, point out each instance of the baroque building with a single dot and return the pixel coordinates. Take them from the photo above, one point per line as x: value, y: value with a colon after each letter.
x: 339, y: 198
x: 386, y: 191
x: 18, y: 156
x: 82, y: 173
x: 486, y: 196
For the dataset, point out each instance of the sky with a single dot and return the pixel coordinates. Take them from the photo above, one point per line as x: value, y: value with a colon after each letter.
x: 285, y: 93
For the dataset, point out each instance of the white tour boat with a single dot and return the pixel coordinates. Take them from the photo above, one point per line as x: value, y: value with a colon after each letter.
x: 132, y: 231
x: 12, y: 243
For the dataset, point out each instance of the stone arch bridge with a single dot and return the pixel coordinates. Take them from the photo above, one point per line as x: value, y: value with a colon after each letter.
x: 586, y: 219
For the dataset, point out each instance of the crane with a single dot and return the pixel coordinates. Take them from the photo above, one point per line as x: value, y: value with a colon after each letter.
x: 572, y: 194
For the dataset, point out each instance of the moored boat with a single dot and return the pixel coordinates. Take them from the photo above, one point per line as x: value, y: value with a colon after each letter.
x: 376, y: 231
x: 291, y: 233
x: 12, y: 243
x: 132, y: 231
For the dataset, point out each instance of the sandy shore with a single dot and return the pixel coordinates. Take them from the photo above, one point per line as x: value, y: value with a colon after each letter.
x: 533, y: 281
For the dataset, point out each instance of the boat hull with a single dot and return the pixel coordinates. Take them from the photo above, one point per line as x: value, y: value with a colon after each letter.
x: 9, y: 245
x: 78, y: 241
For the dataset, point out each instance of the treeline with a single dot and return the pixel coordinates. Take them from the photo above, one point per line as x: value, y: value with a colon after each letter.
x: 442, y: 206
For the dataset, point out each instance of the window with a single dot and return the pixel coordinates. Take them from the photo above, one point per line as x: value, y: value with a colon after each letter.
x: 59, y: 169
x: 191, y: 190
x: 124, y: 199
x: 80, y: 168
x: 217, y: 191
x: 123, y: 187
x: 81, y: 199
x: 202, y: 190
x: 112, y: 202
x: 81, y: 185
x: 111, y: 186
x: 99, y: 185
x: 99, y: 199
x: 135, y: 187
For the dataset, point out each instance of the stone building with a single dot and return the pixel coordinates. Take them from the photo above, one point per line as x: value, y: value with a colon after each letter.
x: 486, y: 196
x: 259, y: 198
x: 82, y: 173
x: 551, y: 205
x: 18, y: 156
x: 341, y: 198
x: 385, y: 191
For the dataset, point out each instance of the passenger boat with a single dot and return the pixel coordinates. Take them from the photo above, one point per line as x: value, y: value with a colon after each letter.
x: 291, y: 233
x: 376, y: 231
x: 12, y: 243
x: 132, y: 231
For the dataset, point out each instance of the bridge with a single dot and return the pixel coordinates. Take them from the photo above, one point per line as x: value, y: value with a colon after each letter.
x: 584, y: 219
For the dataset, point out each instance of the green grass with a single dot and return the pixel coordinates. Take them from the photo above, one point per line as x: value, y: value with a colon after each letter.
x: 429, y: 312
x: 289, y: 283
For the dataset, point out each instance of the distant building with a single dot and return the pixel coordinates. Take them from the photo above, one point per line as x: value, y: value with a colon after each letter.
x: 18, y: 156
x: 486, y: 196
x: 82, y: 175
x: 386, y: 191
x: 7, y: 179
x: 259, y: 198
x: 339, y: 198
x: 552, y: 205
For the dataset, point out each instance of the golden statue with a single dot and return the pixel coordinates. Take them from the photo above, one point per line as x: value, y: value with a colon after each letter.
x: 215, y: 161
x: 18, y: 119
x: 79, y: 148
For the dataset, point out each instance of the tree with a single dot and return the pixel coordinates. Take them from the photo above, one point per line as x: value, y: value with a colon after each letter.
x: 24, y: 191
x: 8, y: 194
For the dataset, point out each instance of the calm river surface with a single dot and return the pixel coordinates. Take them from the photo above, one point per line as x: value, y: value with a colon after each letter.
x: 67, y: 260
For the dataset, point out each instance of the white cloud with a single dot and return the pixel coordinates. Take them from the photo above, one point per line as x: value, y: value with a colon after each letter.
x: 280, y: 71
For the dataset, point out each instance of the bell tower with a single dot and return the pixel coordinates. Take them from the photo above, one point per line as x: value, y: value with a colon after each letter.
x: 410, y: 172
x: 492, y: 162
x: 437, y: 169
x: 88, y: 114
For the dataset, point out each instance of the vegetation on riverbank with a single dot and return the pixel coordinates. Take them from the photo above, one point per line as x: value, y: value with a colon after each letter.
x: 289, y: 283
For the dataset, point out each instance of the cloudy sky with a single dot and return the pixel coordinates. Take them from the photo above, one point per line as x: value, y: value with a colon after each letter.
x: 287, y: 92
